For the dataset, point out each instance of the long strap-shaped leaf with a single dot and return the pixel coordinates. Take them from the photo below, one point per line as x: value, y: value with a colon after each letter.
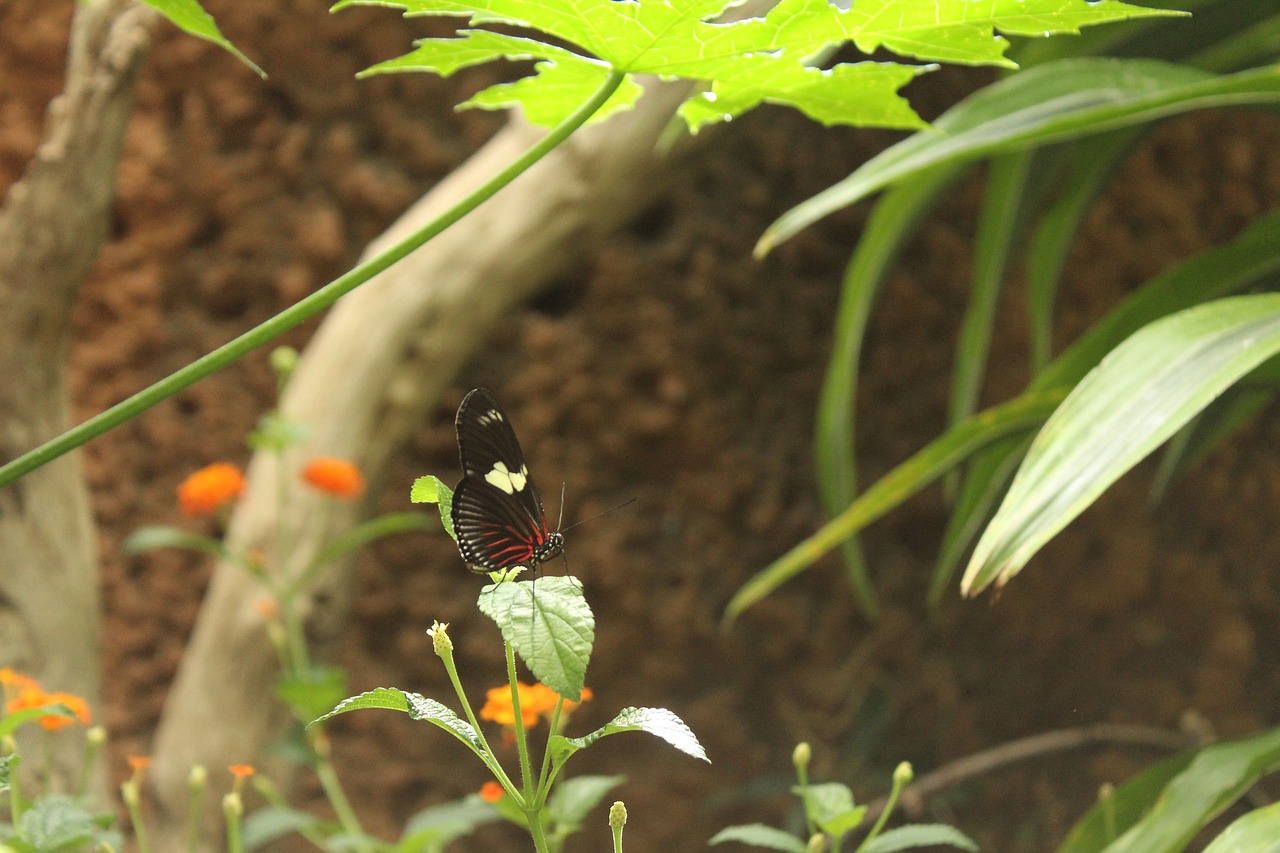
x: 1141, y: 394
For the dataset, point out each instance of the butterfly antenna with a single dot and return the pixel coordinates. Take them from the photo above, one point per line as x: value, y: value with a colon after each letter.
x: 627, y: 502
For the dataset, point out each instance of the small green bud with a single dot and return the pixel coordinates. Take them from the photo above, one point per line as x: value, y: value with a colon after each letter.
x: 439, y: 634
x: 232, y: 805
x: 800, y: 756
x: 1106, y: 791
x: 96, y: 736
x: 129, y: 793
x: 197, y: 777
x: 284, y: 360
x: 617, y: 815
x: 903, y: 774
x: 817, y: 844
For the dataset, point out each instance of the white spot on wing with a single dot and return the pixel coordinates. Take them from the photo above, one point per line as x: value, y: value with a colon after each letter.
x: 508, y: 481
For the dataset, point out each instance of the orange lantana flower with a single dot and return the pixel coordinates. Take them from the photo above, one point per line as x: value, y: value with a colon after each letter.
x: 209, y: 488
x: 338, y: 477
x: 241, y: 771
x: 138, y: 762
x: 536, y: 700
x: 34, y: 697
x: 14, y: 682
x: 492, y: 791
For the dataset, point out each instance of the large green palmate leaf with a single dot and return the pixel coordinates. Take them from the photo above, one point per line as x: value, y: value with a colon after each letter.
x: 1140, y: 394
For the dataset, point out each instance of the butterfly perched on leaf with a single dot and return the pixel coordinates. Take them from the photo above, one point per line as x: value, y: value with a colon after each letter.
x: 497, y: 516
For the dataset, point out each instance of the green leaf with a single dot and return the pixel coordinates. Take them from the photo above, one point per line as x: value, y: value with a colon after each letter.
x: 433, y: 828
x: 573, y: 799
x: 276, y: 434
x: 908, y: 478
x: 1219, y: 422
x: 416, y: 706
x: 746, y: 62
x: 370, y: 531
x: 1126, y: 805
x: 1256, y: 832
x: 155, y: 536
x: 308, y: 695
x: 1139, y: 396
x: 759, y: 835
x: 830, y: 805
x: 266, y: 825
x: 11, y: 722
x: 57, y: 822
x: 188, y: 16
x: 8, y: 764
x: 919, y: 835
x: 1049, y: 103
x: 1215, y: 778
x: 549, y: 624
x: 432, y: 490
x: 658, y: 722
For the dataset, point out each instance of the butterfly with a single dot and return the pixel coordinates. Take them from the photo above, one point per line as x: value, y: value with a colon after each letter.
x: 497, y: 516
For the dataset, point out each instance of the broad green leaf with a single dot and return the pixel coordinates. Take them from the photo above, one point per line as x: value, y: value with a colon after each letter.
x: 1048, y: 103
x: 11, y: 722
x: 189, y: 17
x: 759, y: 835
x: 574, y: 798
x: 266, y: 825
x: 1124, y: 807
x: 766, y: 58
x: 370, y: 531
x: 658, y: 722
x: 433, y: 828
x: 1256, y: 832
x: 155, y: 536
x: 1222, y: 419
x: 829, y: 802
x: 548, y: 623
x: 309, y: 694
x: 1215, y: 778
x: 919, y: 835
x: 1136, y: 398
x: 416, y: 706
x: 432, y: 490
x: 908, y: 478
x: 56, y: 822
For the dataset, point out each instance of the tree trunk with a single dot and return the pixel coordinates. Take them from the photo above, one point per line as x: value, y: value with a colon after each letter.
x: 51, y: 227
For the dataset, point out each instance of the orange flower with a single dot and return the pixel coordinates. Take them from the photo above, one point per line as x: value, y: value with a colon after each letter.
x: 536, y: 700
x: 15, y: 682
x: 241, y: 771
x: 138, y: 762
x: 34, y: 697
x: 338, y: 477
x: 209, y: 488
x: 492, y: 791
x: 267, y: 608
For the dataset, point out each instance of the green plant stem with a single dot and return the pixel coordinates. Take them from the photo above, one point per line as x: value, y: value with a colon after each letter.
x: 899, y: 784
x: 305, y: 308
x: 333, y: 788
x: 544, y: 774
x: 532, y: 804
x: 490, y: 760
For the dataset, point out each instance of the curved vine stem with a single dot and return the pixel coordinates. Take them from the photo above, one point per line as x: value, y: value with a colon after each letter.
x: 305, y: 308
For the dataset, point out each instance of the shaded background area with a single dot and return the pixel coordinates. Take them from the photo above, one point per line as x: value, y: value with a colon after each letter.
x: 675, y: 370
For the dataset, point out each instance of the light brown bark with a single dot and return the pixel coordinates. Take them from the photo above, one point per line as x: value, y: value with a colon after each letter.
x: 52, y: 224
x: 375, y: 367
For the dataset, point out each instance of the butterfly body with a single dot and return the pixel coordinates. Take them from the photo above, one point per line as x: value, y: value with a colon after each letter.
x: 496, y: 514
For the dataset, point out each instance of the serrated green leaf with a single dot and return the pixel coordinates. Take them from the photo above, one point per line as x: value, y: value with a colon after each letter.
x: 549, y: 624
x: 1256, y: 832
x: 759, y: 835
x: 918, y: 835
x: 1049, y: 103
x: 155, y: 536
x: 747, y: 62
x: 57, y: 822
x: 416, y: 706
x: 658, y: 722
x: 8, y: 764
x: 1131, y: 403
x: 825, y: 802
x: 573, y: 799
x: 189, y: 17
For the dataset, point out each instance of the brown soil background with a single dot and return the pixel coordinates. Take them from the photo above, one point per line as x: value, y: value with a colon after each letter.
x: 675, y: 370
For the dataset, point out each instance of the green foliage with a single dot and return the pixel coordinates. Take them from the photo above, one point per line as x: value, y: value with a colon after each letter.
x: 56, y: 822
x: 549, y: 624
x: 1165, y: 807
x: 154, y: 536
x: 740, y: 63
x: 310, y: 693
x: 432, y: 490
x: 658, y: 722
x: 189, y: 16
x: 573, y: 799
x: 416, y: 706
x: 8, y: 764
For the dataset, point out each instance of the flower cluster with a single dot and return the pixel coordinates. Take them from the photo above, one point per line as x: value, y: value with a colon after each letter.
x: 536, y: 701
x: 207, y: 490
x: 22, y: 692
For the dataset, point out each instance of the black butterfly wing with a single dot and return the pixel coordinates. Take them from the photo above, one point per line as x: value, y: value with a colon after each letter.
x: 497, y: 515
